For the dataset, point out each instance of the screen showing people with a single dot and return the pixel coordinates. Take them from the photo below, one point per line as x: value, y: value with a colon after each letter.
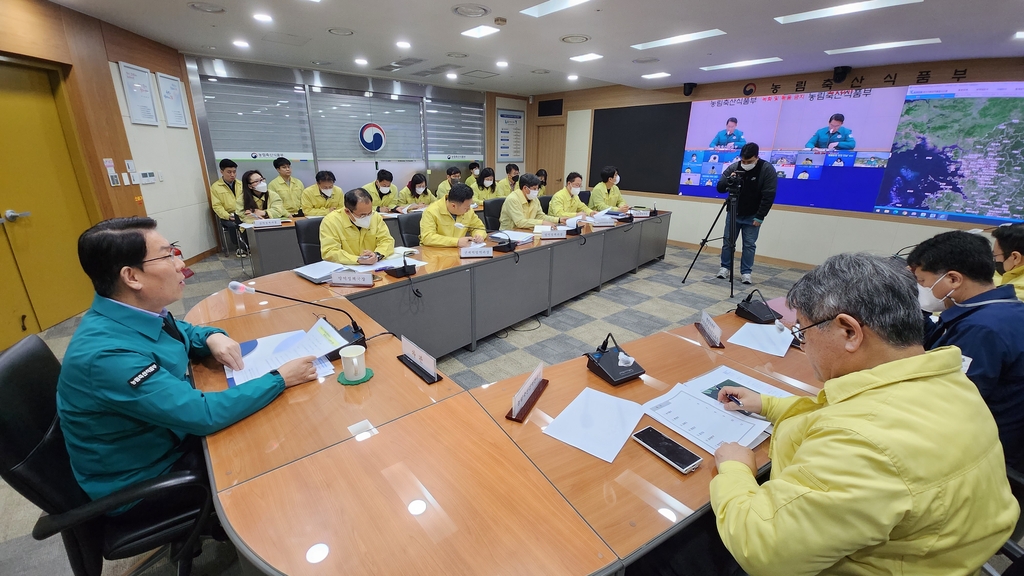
x: 940, y: 152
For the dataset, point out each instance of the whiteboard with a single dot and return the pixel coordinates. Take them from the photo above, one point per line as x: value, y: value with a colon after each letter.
x: 173, y: 100
x: 138, y: 94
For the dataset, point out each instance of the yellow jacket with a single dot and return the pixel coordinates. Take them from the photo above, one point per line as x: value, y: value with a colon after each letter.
x: 405, y: 197
x: 437, y: 227
x: 480, y: 193
x: 893, y: 470
x: 564, y: 204
x: 290, y: 193
x: 271, y: 199
x: 314, y: 203
x: 223, y: 199
x: 503, y: 188
x: 601, y: 198
x: 518, y: 212
x: 443, y: 188
x: 342, y: 241
x: 388, y: 200
x: 1015, y: 277
x: 470, y: 180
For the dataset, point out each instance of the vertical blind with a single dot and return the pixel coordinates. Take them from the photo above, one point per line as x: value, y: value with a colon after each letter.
x: 247, y: 116
x: 455, y: 129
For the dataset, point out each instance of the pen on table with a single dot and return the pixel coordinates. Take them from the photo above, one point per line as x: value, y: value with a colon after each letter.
x: 736, y: 401
x: 383, y: 268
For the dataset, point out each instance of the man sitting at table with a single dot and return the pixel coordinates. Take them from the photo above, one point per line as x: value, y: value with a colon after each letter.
x: 450, y: 221
x: 322, y: 198
x: 566, y: 202
x: 357, y: 234
x: 521, y: 208
x: 383, y: 193
x: 126, y: 406
x: 895, y: 467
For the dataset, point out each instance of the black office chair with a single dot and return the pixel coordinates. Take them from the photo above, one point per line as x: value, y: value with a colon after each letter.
x: 492, y: 213
x: 34, y: 461
x: 409, y: 228
x: 308, y: 232
x: 1011, y: 549
x: 585, y: 197
x: 545, y: 201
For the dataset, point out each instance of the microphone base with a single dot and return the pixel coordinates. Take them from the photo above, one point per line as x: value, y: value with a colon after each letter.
x: 401, y: 271
x: 606, y: 365
x: 625, y: 219
x: 757, y: 312
x: 505, y: 247
x: 352, y: 338
x: 574, y: 231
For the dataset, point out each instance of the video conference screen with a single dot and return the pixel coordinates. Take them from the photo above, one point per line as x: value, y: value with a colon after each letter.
x: 937, y: 152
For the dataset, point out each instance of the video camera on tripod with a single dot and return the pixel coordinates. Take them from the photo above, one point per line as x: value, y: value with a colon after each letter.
x: 733, y: 183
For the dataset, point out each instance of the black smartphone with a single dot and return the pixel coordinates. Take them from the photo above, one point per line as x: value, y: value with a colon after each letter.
x: 668, y: 450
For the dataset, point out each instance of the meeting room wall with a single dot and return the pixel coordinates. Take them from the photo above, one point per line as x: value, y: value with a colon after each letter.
x: 791, y: 233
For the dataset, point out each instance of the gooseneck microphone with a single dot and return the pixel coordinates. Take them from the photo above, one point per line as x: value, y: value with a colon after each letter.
x: 355, y: 333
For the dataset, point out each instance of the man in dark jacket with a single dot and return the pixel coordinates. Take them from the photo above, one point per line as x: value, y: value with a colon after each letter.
x: 757, y: 180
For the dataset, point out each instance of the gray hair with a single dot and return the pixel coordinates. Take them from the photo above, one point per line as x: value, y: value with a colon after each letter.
x: 878, y: 291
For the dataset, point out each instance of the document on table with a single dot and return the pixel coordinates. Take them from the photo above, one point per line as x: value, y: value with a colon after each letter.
x: 262, y: 355
x: 395, y: 261
x: 693, y: 410
x: 597, y: 423
x: 773, y: 339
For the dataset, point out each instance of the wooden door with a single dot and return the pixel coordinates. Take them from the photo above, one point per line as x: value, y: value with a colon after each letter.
x: 44, y: 244
x: 551, y: 155
x: 17, y: 318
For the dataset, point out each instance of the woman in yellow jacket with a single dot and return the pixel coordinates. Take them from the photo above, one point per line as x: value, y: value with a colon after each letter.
x: 484, y: 188
x: 357, y: 234
x: 415, y: 195
x: 256, y: 202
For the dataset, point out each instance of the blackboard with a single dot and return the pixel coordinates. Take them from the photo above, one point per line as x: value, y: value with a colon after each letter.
x: 646, y: 144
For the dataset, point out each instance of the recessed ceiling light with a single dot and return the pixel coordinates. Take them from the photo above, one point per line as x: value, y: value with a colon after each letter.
x: 480, y: 31
x: 319, y: 63
x: 545, y: 8
x: 341, y: 31
x: 656, y: 75
x: 741, y: 64
x: 361, y: 61
x: 1018, y: 36
x: 573, y: 77
x: 470, y: 10
x: 403, y: 45
x: 501, y: 64
x: 843, y: 9
x: 206, y: 7
x: 679, y: 39
x: 456, y: 55
x: 241, y: 43
x: 575, y: 38
x: 646, y: 60
x: 452, y: 75
x: 884, y: 46
x: 539, y: 71
x: 263, y: 17
x: 586, y: 57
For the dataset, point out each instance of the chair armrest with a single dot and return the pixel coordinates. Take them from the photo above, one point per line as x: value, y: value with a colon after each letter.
x: 50, y: 524
x: 1012, y: 550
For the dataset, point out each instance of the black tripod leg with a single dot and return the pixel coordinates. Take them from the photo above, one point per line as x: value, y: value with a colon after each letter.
x: 704, y: 242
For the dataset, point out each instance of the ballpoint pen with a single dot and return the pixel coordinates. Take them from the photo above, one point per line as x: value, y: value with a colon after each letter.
x: 736, y: 401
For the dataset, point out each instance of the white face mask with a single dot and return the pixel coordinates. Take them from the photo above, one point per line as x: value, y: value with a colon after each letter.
x: 261, y: 187
x: 329, y: 192
x: 748, y: 166
x: 488, y: 183
x: 420, y: 189
x: 927, y: 299
x: 476, y: 172
x: 575, y: 190
x: 616, y: 179
x: 363, y: 222
x: 532, y: 193
x: 383, y: 190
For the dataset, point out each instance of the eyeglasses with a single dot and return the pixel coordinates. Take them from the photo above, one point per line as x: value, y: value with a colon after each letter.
x: 255, y: 182
x: 798, y: 331
x: 175, y: 253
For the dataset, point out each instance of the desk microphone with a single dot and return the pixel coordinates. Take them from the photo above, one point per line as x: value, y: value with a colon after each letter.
x: 506, y: 246
x: 353, y: 334
x: 401, y: 272
x: 757, y: 312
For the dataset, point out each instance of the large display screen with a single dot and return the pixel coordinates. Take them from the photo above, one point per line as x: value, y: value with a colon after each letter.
x: 940, y: 152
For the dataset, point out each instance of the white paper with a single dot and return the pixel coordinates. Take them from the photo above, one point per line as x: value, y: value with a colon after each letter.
x: 705, y: 424
x: 321, y: 339
x: 597, y: 423
x: 262, y: 350
x: 765, y: 338
x: 173, y: 100
x: 420, y: 357
x: 516, y: 237
x: 394, y: 261
x: 138, y: 94
x: 573, y: 222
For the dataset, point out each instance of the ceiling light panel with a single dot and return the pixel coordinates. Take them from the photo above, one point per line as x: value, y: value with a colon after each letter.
x: 843, y: 9
x: 586, y: 57
x: 480, y: 31
x: 545, y: 8
x: 656, y: 75
x: 679, y: 39
x: 884, y: 46
x: 741, y: 64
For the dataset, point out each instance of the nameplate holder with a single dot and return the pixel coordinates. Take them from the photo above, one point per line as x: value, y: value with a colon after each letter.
x: 552, y: 234
x: 485, y: 252
x: 416, y: 359
x: 266, y: 223
x: 527, y: 396
x: 603, y: 222
x: 641, y: 213
x: 710, y: 330
x: 345, y: 278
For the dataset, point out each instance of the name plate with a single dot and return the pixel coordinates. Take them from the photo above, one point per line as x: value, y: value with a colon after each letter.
x: 640, y: 213
x: 485, y: 252
x: 710, y: 330
x: 603, y: 222
x: 552, y: 234
x: 347, y: 278
x: 527, y: 396
x: 425, y: 361
x: 266, y: 222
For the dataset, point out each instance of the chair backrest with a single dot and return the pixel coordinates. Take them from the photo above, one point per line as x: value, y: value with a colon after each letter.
x: 308, y: 232
x: 585, y: 197
x: 409, y: 228
x: 545, y: 201
x: 33, y: 457
x: 492, y: 213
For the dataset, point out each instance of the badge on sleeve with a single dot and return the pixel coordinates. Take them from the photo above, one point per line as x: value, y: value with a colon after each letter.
x: 143, y: 376
x: 965, y: 363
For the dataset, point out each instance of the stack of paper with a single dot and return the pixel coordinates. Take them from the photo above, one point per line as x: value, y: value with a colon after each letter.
x: 318, y: 272
x: 394, y: 261
x: 597, y: 423
x: 513, y: 236
x: 262, y: 355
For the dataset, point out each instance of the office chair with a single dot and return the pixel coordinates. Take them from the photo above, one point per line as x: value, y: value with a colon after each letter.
x: 492, y: 213
x: 1011, y: 549
x: 409, y: 228
x: 545, y: 201
x: 34, y: 461
x: 585, y: 197
x: 308, y: 232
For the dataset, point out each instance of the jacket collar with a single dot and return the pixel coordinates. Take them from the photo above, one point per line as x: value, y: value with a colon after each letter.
x: 935, y: 362
x: 1005, y: 292
x: 146, y: 324
x: 1012, y: 276
x: 522, y: 197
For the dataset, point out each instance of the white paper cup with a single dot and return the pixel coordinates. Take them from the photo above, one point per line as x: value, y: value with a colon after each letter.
x: 353, y: 360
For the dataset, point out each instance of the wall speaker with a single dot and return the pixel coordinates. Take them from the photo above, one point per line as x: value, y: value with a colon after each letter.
x: 840, y: 73
x: 688, y: 88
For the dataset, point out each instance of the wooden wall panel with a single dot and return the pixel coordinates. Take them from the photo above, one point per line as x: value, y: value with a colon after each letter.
x: 125, y: 46
x: 35, y: 29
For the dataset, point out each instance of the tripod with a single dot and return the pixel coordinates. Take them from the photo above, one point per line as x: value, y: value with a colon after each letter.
x: 730, y: 222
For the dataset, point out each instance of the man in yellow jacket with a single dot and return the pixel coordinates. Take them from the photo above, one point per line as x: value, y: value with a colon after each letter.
x: 224, y: 194
x: 383, y: 192
x: 286, y: 186
x: 606, y: 194
x: 566, y: 202
x: 323, y: 197
x: 452, y: 177
x: 521, y: 208
x: 451, y: 222
x: 1008, y: 253
x: 895, y: 467
x: 508, y: 183
x: 357, y: 234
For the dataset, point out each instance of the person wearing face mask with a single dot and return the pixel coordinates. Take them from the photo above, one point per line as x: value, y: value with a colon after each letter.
x: 415, y: 195
x: 543, y: 175
x: 1008, y: 253
x: 835, y: 136
x: 508, y: 183
x: 606, y: 194
x: 954, y: 275
x: 257, y: 201
x: 383, y: 192
x: 287, y: 187
x: 474, y: 173
x: 224, y: 194
x: 450, y: 222
x: 454, y: 176
x: 323, y: 197
x: 357, y: 234
x: 757, y: 194
x: 521, y: 208
x: 484, y: 188
x: 566, y: 202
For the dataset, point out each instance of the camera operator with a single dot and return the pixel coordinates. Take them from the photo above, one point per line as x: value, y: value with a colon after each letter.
x: 753, y: 181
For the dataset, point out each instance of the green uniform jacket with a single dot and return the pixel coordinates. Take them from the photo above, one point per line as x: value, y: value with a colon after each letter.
x: 389, y: 200
x: 290, y: 193
x: 125, y: 402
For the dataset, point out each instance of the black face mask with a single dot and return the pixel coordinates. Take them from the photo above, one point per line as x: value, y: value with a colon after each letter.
x: 1000, y: 267
x: 515, y: 179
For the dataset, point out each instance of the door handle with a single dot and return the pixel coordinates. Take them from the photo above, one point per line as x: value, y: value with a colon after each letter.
x: 11, y: 215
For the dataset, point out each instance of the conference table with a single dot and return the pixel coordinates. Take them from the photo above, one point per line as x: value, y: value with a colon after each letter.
x: 397, y: 476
